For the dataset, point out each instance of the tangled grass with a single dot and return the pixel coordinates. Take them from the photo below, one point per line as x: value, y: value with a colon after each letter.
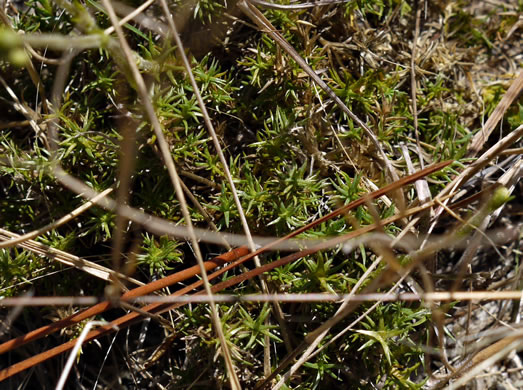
x: 290, y: 111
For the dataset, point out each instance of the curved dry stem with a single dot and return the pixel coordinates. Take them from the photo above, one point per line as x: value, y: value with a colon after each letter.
x: 53, y: 225
x: 225, y: 165
x: 173, y: 174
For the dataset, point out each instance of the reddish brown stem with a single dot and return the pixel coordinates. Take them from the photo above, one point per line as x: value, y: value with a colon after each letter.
x: 103, y: 306
x: 161, y: 307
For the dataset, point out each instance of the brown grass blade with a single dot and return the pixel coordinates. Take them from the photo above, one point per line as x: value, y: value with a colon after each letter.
x: 482, y: 136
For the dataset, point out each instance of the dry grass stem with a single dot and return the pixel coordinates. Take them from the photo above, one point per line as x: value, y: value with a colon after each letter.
x: 389, y: 296
x: 87, y: 266
x: 53, y: 225
x: 481, y: 137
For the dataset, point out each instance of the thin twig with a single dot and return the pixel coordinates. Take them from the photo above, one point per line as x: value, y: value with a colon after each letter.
x: 221, y: 156
x: 91, y: 268
x: 74, y: 353
x: 53, y: 225
x: 505, y: 295
x: 296, y: 6
x: 135, y: 14
x: 482, y: 136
